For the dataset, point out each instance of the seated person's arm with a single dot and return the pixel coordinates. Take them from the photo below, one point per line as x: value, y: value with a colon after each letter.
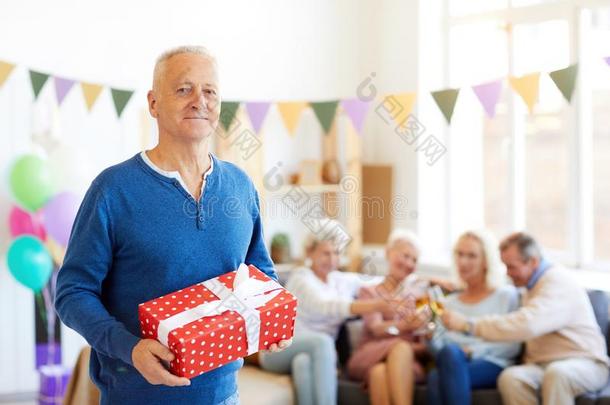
x: 379, y: 327
x: 546, y: 312
x: 311, y: 300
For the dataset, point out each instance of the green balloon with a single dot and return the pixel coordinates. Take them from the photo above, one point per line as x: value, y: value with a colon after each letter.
x: 29, y: 262
x: 32, y: 183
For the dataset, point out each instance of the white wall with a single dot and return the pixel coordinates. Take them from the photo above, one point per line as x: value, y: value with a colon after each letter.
x: 390, y: 50
x: 266, y: 50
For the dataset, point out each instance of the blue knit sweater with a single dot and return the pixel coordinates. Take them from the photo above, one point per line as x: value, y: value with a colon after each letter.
x: 138, y: 235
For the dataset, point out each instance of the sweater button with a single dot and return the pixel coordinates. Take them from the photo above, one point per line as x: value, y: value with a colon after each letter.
x: 200, y: 218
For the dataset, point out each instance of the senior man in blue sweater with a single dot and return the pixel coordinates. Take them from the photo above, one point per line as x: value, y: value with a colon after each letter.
x: 165, y: 219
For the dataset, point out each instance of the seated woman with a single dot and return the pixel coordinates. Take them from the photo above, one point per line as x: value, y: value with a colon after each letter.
x: 387, y: 358
x: 464, y: 362
x: 325, y: 300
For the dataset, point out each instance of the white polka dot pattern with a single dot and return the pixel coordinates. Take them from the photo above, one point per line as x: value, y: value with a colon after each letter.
x: 214, y: 341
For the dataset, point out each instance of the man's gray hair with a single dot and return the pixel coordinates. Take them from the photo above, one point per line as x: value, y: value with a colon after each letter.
x: 194, y: 49
x: 526, y: 245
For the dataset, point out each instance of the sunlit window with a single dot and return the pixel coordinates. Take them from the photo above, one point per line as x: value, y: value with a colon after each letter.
x: 529, y: 164
x: 546, y: 132
x: 600, y: 82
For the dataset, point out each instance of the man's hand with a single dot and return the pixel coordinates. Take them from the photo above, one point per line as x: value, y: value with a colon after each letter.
x: 454, y: 321
x: 147, y: 357
x: 278, y: 347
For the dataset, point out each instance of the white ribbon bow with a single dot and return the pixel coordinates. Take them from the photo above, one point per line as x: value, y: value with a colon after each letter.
x: 247, y: 295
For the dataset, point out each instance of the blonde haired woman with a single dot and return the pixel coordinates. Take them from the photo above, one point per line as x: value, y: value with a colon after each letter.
x: 465, y: 362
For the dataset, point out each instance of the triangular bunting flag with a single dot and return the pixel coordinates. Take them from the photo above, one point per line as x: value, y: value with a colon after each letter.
x: 565, y: 80
x: 446, y: 99
x: 291, y: 112
x: 120, y: 98
x: 399, y: 106
x: 90, y: 92
x: 257, y: 111
x: 62, y: 87
x: 325, y: 111
x: 607, y: 59
x: 527, y: 87
x: 5, y: 70
x: 228, y: 109
x: 489, y: 94
x: 38, y: 80
x: 356, y: 110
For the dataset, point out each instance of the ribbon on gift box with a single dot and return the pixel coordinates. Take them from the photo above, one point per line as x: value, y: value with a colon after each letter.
x: 248, y: 294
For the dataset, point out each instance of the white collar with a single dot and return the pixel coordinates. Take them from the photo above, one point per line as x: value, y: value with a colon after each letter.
x: 176, y: 174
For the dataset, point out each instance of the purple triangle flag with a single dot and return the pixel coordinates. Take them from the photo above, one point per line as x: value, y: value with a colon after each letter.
x: 607, y: 59
x: 257, y: 111
x: 489, y: 94
x: 62, y: 87
x: 356, y: 110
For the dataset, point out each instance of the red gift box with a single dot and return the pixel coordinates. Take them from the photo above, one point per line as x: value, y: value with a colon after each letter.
x: 219, y: 320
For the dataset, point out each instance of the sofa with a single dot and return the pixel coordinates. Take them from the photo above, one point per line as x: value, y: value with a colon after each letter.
x: 351, y: 393
x: 259, y: 387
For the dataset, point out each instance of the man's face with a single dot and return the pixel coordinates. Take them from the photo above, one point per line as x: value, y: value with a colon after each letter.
x: 185, y: 99
x: 518, y: 270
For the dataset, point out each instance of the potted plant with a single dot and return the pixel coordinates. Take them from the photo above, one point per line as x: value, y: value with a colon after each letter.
x: 280, y: 248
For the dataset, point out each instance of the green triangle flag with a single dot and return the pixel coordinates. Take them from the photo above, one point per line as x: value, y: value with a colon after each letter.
x: 120, y: 98
x: 228, y: 110
x: 325, y: 111
x: 38, y: 80
x: 565, y: 80
x: 445, y: 99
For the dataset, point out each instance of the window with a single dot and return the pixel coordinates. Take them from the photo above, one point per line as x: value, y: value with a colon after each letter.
x: 465, y: 7
x: 600, y: 42
x: 490, y: 38
x: 496, y: 170
x: 546, y: 132
x: 547, y: 171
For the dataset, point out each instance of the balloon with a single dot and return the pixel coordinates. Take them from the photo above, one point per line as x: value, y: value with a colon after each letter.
x: 31, y: 181
x: 29, y: 262
x: 22, y: 222
x: 58, y: 216
x: 72, y: 167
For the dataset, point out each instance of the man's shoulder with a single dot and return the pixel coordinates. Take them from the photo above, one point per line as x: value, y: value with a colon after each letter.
x: 116, y: 174
x: 557, y: 276
x: 228, y: 167
x: 231, y: 171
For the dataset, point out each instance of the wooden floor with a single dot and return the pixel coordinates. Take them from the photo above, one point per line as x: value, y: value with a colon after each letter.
x: 20, y: 399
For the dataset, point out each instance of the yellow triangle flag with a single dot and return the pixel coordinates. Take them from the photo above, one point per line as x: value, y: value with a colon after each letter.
x: 91, y: 92
x: 5, y: 70
x: 399, y: 106
x: 291, y: 112
x: 527, y: 86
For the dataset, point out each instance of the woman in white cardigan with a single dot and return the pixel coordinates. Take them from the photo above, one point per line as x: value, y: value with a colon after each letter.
x: 325, y: 300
